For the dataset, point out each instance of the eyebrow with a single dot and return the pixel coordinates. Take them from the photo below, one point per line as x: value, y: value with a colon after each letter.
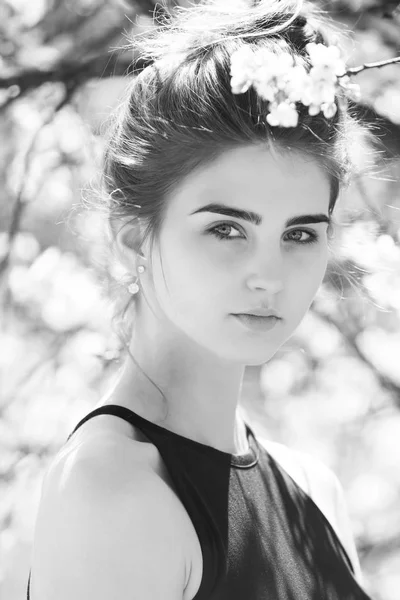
x: 257, y: 219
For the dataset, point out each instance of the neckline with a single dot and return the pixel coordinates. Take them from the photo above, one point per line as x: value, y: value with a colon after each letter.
x: 245, y: 460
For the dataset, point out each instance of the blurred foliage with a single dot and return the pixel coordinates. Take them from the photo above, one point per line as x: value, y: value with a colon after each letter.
x: 332, y: 391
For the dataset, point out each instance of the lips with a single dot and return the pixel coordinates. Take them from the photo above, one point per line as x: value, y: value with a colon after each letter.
x: 258, y: 317
x: 265, y: 315
x: 256, y: 323
x: 261, y: 311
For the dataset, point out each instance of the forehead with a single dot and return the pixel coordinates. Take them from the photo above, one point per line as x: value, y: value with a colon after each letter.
x: 267, y: 177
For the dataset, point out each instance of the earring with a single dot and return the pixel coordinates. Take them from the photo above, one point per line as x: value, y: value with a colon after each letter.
x: 133, y: 287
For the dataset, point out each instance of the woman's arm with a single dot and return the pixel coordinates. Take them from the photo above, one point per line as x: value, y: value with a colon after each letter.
x: 105, y: 534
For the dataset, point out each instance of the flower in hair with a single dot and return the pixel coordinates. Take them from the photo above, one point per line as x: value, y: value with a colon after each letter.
x: 283, y: 114
x: 326, y: 59
x: 242, y: 70
x: 281, y: 82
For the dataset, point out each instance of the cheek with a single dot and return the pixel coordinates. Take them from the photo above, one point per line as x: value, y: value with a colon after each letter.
x: 307, y: 277
x: 192, y: 282
x: 319, y: 264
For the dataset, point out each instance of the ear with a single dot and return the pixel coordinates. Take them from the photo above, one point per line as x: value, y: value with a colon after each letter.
x: 127, y: 238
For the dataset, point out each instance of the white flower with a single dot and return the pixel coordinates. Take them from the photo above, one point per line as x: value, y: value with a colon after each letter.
x: 267, y: 89
x: 323, y: 74
x: 270, y: 65
x: 314, y: 109
x: 242, y: 69
x: 297, y: 83
x: 283, y: 115
x: 321, y: 91
x: 329, y: 109
x: 327, y: 57
x: 271, y: 73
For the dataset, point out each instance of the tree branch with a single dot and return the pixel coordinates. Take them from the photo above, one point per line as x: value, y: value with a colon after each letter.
x: 101, y: 66
x: 350, y: 338
x: 20, y: 202
x: 381, y: 63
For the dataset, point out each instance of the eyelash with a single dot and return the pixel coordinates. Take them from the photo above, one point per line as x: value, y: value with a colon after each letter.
x: 213, y: 231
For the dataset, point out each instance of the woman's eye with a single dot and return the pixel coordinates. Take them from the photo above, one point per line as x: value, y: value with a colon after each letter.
x: 222, y: 231
x: 312, y: 236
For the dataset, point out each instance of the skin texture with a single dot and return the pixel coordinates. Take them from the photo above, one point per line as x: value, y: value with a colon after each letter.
x: 185, y: 337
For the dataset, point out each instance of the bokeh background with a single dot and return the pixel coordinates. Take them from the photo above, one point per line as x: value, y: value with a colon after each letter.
x: 332, y: 391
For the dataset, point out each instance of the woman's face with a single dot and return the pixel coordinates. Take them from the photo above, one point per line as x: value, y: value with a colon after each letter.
x: 216, y: 265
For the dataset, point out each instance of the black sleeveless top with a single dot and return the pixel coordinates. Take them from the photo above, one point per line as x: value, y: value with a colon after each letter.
x: 261, y: 536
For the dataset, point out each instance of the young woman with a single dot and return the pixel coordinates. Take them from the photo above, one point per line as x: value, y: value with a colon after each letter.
x: 218, y: 214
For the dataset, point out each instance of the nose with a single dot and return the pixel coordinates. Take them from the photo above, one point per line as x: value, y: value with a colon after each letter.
x: 267, y: 277
x: 273, y: 286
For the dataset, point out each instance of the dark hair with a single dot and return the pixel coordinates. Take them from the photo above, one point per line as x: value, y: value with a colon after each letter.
x: 180, y: 112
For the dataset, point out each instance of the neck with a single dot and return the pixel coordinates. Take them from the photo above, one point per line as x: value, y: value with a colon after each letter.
x: 199, y: 397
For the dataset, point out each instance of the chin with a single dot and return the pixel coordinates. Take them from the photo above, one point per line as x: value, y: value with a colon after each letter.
x: 248, y: 356
x: 264, y: 357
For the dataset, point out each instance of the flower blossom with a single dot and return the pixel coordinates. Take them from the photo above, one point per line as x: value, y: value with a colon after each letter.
x: 283, y: 115
x: 297, y: 82
x: 271, y: 73
x: 242, y: 70
x: 282, y: 83
x: 326, y: 58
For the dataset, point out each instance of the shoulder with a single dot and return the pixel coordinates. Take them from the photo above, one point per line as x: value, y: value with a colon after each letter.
x: 109, y: 525
x: 323, y: 486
